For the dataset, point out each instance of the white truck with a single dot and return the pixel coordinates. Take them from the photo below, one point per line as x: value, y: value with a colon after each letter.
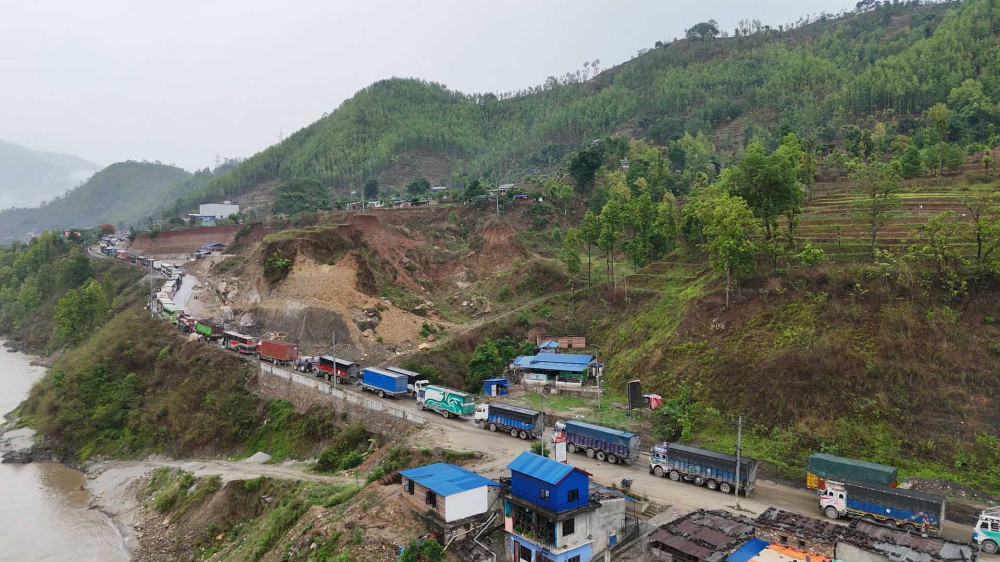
x: 987, y: 531
x: 448, y: 402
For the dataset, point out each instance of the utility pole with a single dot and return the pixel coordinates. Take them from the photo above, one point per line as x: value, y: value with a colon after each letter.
x: 334, y: 352
x: 739, y: 438
x: 152, y: 310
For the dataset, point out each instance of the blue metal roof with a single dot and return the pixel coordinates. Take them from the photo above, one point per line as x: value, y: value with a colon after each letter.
x: 570, y: 362
x: 541, y: 468
x: 447, y: 479
x: 751, y: 548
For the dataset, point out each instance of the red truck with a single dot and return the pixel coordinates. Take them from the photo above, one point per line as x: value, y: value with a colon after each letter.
x: 186, y: 323
x: 278, y: 352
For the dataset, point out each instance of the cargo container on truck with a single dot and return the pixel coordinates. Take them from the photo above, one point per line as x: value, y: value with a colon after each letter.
x: 239, y: 342
x: 412, y: 378
x: 822, y: 467
x: 909, y: 510
x: 448, y: 402
x: 518, y: 421
x: 987, y: 530
x: 383, y: 383
x: 171, y: 312
x: 716, y: 471
x: 328, y: 367
x: 602, y: 443
x: 208, y: 330
x: 278, y: 352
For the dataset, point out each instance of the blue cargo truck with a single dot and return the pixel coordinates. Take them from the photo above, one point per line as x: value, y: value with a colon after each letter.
x: 602, y: 443
x: 383, y: 383
x: 518, y: 421
x: 716, y: 471
x: 909, y: 510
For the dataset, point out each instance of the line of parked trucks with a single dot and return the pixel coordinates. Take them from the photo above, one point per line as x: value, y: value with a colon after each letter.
x: 846, y: 488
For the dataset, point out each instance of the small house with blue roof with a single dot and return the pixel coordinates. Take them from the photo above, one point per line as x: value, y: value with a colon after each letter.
x: 557, y: 366
x: 447, y: 492
x: 553, y: 513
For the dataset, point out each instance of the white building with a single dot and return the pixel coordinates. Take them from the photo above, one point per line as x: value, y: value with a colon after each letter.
x: 218, y: 210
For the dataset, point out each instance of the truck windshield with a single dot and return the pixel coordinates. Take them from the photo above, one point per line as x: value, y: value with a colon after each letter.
x: 469, y: 399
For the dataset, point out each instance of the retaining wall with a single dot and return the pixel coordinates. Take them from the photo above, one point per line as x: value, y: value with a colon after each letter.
x: 302, y: 391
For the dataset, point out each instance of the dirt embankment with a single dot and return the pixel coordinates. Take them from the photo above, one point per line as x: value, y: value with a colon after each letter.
x: 184, y: 241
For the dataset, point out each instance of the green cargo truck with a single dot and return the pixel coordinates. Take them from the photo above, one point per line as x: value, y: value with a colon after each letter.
x: 209, y: 330
x: 448, y: 402
x: 822, y: 467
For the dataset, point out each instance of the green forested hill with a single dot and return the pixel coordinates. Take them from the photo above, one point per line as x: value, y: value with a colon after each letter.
x: 887, y: 64
x: 122, y: 194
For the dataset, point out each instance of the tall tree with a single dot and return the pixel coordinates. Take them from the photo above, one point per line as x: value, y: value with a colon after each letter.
x: 937, y: 117
x: 590, y: 233
x: 984, y: 229
x: 876, y: 186
x: 370, y: 189
x: 582, y: 167
x: 767, y: 182
x: 569, y: 254
x: 727, y: 224
x: 418, y: 187
x: 612, y: 224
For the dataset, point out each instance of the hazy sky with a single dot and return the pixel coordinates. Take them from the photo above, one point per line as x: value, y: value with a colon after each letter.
x: 182, y: 81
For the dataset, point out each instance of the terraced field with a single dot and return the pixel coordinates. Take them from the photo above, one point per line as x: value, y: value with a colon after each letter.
x: 826, y: 222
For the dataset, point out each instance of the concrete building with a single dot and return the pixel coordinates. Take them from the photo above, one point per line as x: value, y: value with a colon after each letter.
x: 218, y: 210
x: 449, y: 498
x: 553, y: 514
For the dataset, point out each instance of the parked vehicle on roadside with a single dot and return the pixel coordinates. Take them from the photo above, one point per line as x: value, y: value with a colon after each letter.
x: 906, y: 509
x: 328, y: 367
x: 383, y: 383
x: 602, y: 443
x: 987, y: 530
x: 448, y: 402
x: 240, y: 343
x: 519, y: 422
x: 186, y: 323
x: 716, y: 471
x: 278, y: 352
x: 208, y: 330
x: 412, y: 379
x: 822, y: 467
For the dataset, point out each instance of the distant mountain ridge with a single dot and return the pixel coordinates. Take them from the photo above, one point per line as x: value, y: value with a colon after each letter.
x: 123, y: 194
x: 29, y: 177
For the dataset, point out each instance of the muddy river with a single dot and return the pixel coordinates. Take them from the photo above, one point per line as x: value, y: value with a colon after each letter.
x: 43, y: 509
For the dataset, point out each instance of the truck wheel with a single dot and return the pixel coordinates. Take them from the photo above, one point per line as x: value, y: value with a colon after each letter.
x: 601, y: 456
x: 831, y: 512
x: 712, y: 485
x: 910, y: 528
x: 513, y: 432
x: 590, y: 453
x: 570, y: 448
x: 522, y: 434
x: 493, y: 427
x: 675, y: 476
x: 699, y: 481
x: 481, y: 424
x: 421, y: 406
x: 381, y: 394
x: 989, y: 547
x: 725, y: 488
x: 612, y: 459
x: 446, y: 414
x: 658, y: 470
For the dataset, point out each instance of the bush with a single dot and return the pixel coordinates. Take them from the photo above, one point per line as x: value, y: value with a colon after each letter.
x: 277, y: 267
x: 352, y: 460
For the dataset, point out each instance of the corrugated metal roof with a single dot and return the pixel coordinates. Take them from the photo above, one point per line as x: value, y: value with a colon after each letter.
x: 541, y: 468
x: 570, y: 358
x: 705, y: 535
x: 447, y: 479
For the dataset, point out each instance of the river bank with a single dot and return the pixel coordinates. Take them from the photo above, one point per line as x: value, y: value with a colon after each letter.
x: 46, y: 513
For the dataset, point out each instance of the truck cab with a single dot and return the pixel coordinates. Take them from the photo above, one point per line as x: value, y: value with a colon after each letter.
x: 482, y: 413
x: 833, y: 500
x: 987, y: 531
x: 558, y: 431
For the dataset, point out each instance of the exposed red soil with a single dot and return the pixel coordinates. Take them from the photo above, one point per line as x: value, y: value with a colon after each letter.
x: 185, y: 241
